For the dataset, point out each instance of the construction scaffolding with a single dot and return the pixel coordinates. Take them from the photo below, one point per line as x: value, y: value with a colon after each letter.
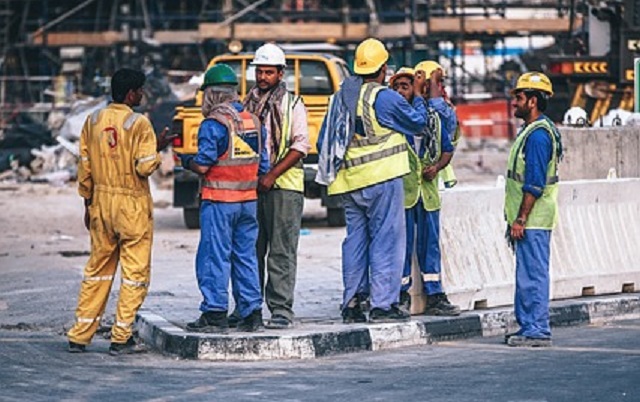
x: 85, y: 41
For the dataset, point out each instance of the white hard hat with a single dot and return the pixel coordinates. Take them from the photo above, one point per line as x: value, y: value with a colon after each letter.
x: 269, y: 55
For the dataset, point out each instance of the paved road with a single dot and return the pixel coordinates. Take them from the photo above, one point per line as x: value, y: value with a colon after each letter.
x: 595, y: 363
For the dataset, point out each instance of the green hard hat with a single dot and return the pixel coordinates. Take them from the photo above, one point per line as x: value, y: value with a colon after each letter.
x: 220, y: 74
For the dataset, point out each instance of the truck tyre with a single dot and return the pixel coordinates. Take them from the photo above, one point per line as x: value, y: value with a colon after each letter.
x: 191, y: 218
x: 335, y: 217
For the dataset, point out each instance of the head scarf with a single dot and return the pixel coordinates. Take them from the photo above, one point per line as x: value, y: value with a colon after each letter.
x: 264, y: 104
x: 216, y: 104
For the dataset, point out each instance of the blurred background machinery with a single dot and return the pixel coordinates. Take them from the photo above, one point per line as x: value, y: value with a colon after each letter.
x: 54, y: 51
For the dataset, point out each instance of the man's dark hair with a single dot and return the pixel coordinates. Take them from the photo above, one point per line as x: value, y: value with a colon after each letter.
x: 125, y: 80
x: 541, y: 98
x: 372, y: 75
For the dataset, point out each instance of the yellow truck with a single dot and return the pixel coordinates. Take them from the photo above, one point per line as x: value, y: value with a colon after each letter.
x: 313, y: 76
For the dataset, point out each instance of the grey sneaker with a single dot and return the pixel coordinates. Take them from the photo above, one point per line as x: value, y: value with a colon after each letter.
x: 278, y: 321
x: 439, y: 304
x: 128, y: 348
x: 76, y: 347
x: 525, y: 341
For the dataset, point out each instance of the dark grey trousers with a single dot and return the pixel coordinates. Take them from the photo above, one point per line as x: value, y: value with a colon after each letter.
x: 279, y: 220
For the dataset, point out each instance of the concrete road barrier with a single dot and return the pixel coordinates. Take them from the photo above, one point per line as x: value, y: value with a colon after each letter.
x: 590, y: 153
x: 595, y: 249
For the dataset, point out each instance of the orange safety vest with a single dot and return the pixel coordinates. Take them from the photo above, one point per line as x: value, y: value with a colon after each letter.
x: 235, y: 177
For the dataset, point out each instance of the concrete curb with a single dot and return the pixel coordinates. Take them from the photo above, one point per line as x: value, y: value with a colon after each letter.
x: 308, y: 341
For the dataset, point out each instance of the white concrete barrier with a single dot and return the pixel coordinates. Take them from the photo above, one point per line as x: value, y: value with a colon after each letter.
x: 589, y: 153
x: 595, y: 249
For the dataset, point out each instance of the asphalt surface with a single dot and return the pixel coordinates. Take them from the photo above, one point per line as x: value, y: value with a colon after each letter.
x: 588, y: 363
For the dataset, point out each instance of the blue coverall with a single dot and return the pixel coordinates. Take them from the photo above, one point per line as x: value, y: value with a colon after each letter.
x: 373, y: 251
x: 447, y: 115
x: 229, y: 230
x: 426, y: 224
x: 533, y: 251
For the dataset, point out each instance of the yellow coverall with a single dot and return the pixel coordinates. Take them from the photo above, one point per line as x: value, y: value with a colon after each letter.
x: 117, y: 154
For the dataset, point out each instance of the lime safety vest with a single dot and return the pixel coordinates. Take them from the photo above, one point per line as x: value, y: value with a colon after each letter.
x: 544, y: 214
x: 375, y: 156
x: 235, y: 177
x: 293, y: 178
x: 415, y: 186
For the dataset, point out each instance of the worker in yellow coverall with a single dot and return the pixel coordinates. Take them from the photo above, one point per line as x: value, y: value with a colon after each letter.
x: 118, y: 152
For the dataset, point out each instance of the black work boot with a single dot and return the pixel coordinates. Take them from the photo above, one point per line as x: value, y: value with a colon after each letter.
x: 511, y: 334
x: 210, y: 322
x: 394, y: 314
x: 76, y: 347
x: 405, y: 302
x: 439, y: 304
x: 353, y: 312
x: 278, y: 321
x: 234, y: 319
x: 252, y: 323
x: 527, y: 342
x: 130, y: 347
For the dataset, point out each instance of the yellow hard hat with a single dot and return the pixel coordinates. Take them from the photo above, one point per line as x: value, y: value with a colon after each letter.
x: 403, y: 72
x: 370, y: 56
x: 429, y: 66
x: 534, y: 80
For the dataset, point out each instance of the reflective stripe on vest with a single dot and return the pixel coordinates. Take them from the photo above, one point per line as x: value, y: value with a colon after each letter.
x: 544, y: 214
x: 230, y: 185
x: 375, y: 156
x: 234, y: 177
x: 415, y: 186
x: 293, y: 178
x: 378, y: 155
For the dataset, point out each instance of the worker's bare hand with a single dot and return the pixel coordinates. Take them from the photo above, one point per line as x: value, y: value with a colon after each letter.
x: 164, y: 139
x: 265, y: 183
x: 517, y: 231
x: 419, y: 83
x: 430, y: 172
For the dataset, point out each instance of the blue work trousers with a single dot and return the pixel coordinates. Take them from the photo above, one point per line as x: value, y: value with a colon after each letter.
x: 532, y: 283
x: 423, y: 231
x: 227, y: 250
x: 373, y: 251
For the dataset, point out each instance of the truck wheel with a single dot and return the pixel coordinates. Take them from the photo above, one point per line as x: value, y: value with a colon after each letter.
x: 191, y: 218
x: 335, y: 217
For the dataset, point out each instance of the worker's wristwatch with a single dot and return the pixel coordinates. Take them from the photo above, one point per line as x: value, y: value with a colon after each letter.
x: 521, y: 221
